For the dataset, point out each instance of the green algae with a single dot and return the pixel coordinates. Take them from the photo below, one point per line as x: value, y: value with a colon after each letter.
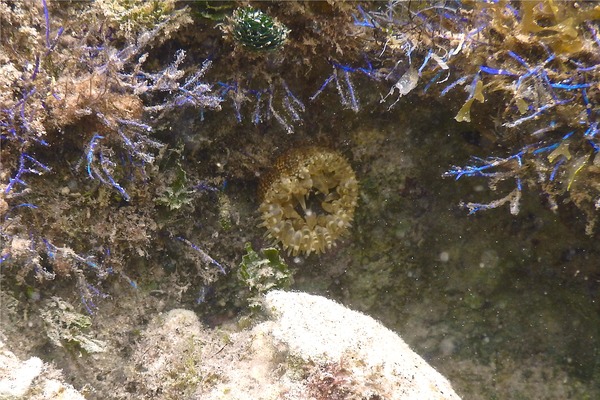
x: 263, y: 272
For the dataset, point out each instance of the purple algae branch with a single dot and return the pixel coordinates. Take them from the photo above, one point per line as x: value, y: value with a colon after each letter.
x: 474, y: 170
x: 486, y: 170
x: 537, y: 113
x: 204, y: 257
x: 27, y: 165
x: 513, y: 198
x: 54, y: 251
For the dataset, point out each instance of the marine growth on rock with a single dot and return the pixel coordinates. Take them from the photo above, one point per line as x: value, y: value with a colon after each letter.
x: 256, y: 30
x: 308, y: 200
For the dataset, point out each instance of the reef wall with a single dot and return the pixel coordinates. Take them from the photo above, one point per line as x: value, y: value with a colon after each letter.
x: 135, y: 137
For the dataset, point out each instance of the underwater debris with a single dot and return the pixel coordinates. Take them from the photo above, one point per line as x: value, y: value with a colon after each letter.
x: 405, y: 85
x: 308, y: 199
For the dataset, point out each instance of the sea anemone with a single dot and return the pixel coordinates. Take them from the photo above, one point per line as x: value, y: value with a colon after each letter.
x: 256, y: 30
x: 308, y: 199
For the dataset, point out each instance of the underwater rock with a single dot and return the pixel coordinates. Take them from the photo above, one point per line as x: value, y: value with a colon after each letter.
x: 308, y: 348
x: 353, y: 355
x: 31, y: 379
x: 168, y: 356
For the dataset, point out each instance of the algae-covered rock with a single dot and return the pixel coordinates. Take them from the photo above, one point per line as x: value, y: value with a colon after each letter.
x: 166, y: 362
x: 65, y: 326
x: 308, y: 348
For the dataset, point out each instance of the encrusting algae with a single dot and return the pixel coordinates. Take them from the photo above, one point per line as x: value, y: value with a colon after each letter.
x: 308, y: 199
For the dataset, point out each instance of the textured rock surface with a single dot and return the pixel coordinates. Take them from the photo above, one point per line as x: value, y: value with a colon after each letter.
x: 31, y: 379
x: 309, y: 348
x: 322, y: 332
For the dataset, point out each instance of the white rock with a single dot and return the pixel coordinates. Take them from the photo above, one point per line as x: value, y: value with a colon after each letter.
x: 31, y: 379
x: 322, y: 331
x: 308, y: 348
x: 16, y: 376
